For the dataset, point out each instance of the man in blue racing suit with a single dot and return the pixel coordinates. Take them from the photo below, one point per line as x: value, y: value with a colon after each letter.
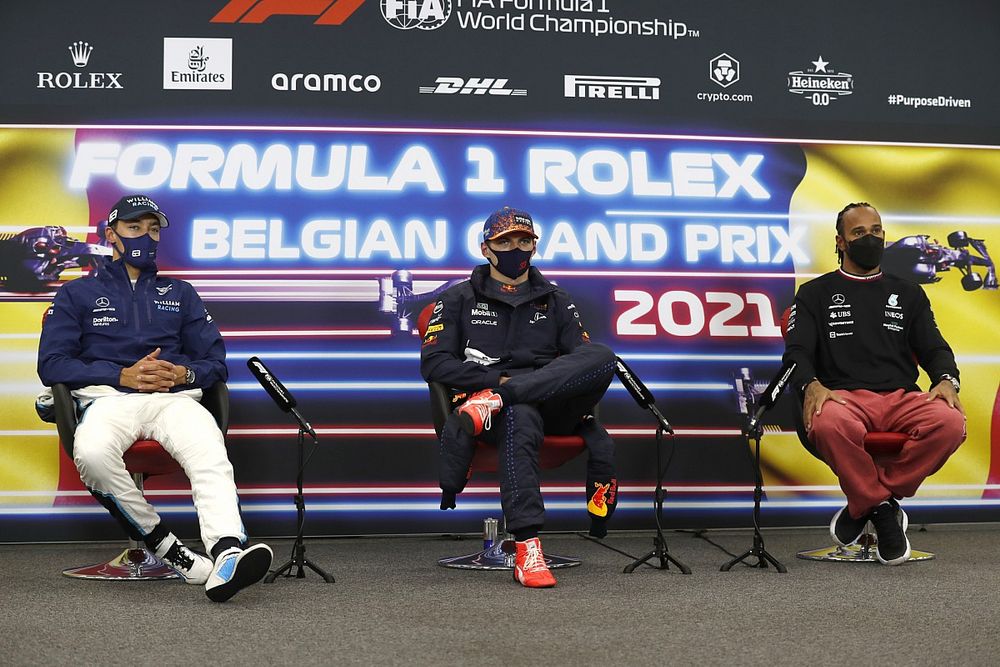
x: 136, y: 349
x: 516, y: 341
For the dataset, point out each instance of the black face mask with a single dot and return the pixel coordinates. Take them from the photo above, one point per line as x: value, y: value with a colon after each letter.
x: 866, y: 251
x: 512, y: 263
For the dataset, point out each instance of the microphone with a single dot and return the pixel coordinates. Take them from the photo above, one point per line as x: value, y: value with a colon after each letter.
x: 281, y: 396
x: 642, y: 396
x: 772, y: 394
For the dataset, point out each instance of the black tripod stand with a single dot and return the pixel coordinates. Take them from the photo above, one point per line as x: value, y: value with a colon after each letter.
x: 299, y: 559
x: 644, y: 399
x: 754, y: 431
x: 660, y: 549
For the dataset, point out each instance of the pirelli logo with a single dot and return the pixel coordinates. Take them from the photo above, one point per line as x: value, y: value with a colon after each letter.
x: 611, y: 87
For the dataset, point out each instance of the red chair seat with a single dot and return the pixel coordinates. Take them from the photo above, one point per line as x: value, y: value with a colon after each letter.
x: 877, y: 443
x: 883, y: 444
x: 555, y: 451
x: 149, y: 458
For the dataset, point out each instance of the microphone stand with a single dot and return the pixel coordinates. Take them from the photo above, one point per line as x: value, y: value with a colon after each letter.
x: 753, y: 430
x: 298, y: 559
x: 660, y: 549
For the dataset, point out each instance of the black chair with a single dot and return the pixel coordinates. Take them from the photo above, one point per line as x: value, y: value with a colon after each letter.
x: 877, y: 444
x: 498, y: 551
x: 143, y: 459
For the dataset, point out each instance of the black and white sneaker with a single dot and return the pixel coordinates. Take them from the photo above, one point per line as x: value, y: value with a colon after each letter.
x: 890, y: 523
x: 846, y: 530
x: 235, y: 569
x: 191, y: 565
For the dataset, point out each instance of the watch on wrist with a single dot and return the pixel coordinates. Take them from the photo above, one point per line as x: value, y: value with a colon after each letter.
x: 953, y: 380
x: 189, y: 377
x: 805, y: 385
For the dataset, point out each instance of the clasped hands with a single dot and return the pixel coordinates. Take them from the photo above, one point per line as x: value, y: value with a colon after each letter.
x: 152, y: 374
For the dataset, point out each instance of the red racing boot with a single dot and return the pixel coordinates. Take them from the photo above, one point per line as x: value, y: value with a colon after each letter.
x: 477, y: 412
x: 530, y: 569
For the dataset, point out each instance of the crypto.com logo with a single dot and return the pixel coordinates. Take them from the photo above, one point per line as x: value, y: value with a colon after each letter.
x: 330, y: 12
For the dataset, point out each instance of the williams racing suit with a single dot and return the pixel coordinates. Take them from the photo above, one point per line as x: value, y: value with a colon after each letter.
x: 101, y: 324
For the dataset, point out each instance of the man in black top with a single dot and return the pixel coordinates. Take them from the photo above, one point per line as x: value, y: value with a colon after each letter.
x: 516, y: 340
x: 857, y: 336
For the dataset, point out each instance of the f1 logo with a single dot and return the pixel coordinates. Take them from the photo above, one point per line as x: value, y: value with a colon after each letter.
x: 330, y: 12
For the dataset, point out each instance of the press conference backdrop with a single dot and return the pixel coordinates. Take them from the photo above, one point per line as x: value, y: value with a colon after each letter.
x: 326, y: 166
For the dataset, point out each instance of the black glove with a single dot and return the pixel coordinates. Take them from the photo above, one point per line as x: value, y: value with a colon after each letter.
x: 447, y: 500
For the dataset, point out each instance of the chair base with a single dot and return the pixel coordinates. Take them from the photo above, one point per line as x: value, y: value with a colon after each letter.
x: 855, y: 553
x: 497, y: 557
x: 133, y: 564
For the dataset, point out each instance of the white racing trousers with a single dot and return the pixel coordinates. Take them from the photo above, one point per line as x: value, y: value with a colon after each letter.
x: 186, y: 430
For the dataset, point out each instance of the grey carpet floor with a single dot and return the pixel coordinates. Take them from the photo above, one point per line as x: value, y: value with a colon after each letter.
x: 392, y: 605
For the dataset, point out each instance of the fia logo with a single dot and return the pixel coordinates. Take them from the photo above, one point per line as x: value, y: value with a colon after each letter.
x: 422, y: 14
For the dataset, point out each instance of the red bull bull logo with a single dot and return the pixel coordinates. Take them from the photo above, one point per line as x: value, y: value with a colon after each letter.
x: 603, y: 495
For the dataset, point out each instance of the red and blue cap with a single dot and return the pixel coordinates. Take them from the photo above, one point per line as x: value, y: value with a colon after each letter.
x: 506, y: 221
x: 131, y: 207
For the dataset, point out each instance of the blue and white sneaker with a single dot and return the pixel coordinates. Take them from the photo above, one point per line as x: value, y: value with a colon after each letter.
x: 235, y: 569
x: 191, y: 565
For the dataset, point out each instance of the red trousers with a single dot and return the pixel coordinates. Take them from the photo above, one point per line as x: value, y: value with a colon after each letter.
x: 838, y: 432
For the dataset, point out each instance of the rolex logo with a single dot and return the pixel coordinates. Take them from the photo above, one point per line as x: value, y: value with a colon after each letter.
x: 80, y: 51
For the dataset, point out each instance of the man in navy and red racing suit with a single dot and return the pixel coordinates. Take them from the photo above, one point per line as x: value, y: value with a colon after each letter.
x: 516, y: 340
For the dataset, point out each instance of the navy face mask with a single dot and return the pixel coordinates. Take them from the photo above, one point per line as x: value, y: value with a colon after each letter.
x: 512, y: 263
x: 866, y: 251
x: 140, y: 252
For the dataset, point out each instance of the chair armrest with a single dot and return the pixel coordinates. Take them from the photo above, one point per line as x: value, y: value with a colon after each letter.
x: 440, y: 405
x: 216, y: 401
x: 65, y: 409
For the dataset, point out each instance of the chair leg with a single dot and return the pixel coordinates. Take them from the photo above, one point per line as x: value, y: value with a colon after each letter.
x: 863, y: 551
x: 136, y: 563
x: 498, y: 554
